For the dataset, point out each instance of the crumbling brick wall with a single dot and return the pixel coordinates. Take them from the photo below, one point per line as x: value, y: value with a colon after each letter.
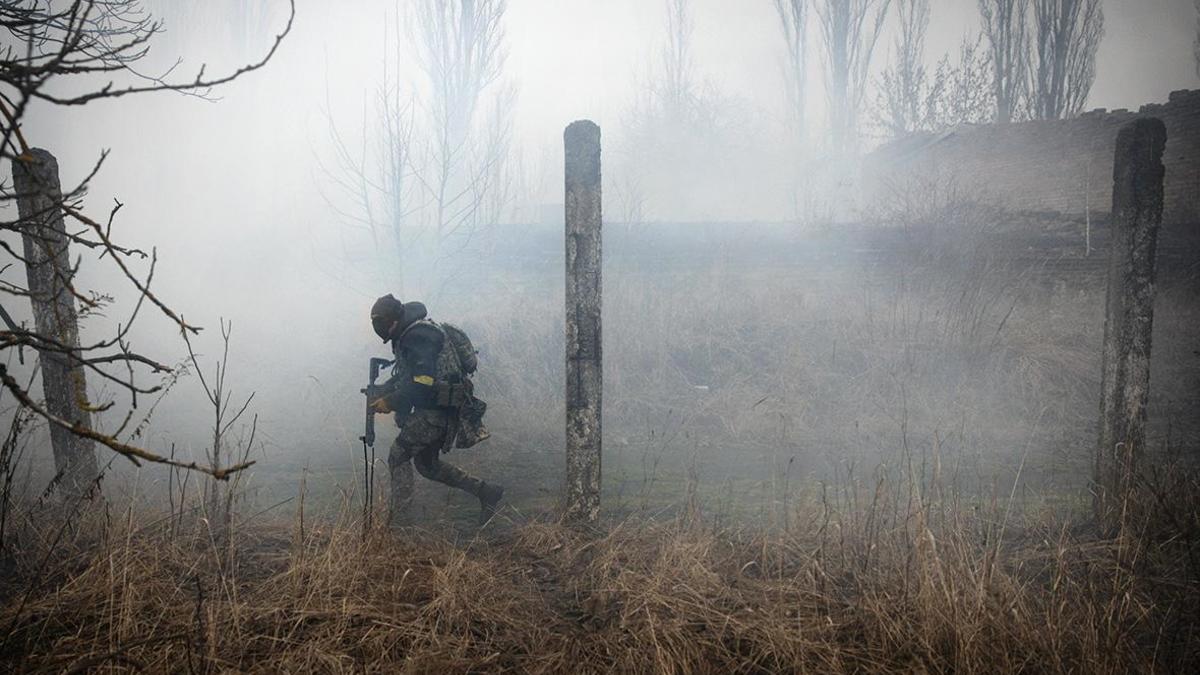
x: 1063, y: 166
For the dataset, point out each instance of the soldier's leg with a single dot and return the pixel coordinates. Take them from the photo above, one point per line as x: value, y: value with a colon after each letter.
x: 400, y: 492
x: 430, y: 465
x: 425, y: 439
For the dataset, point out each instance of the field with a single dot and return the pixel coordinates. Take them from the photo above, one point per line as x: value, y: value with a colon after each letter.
x: 854, y: 450
x: 769, y: 359
x: 887, y: 580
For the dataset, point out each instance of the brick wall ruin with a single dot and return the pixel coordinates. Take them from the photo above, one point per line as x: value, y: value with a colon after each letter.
x: 1062, y: 166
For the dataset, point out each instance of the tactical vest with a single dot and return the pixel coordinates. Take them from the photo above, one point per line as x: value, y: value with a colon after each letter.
x: 452, y: 387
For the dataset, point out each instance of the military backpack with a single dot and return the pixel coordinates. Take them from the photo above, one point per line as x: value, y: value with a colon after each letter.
x: 467, y: 354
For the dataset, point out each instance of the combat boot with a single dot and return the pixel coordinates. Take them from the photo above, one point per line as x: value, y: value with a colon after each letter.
x: 489, y: 497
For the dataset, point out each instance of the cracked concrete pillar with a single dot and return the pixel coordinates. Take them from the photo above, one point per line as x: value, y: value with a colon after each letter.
x: 1129, y: 314
x: 582, y: 150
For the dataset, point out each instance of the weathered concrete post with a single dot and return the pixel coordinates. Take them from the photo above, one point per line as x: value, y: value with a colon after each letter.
x: 48, y: 267
x: 1129, y: 313
x: 582, y: 150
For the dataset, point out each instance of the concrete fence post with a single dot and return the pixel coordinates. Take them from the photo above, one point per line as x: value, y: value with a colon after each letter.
x: 48, y: 267
x: 582, y: 168
x: 1129, y: 314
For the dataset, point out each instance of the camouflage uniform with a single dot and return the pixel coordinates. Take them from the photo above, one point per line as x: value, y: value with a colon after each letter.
x: 425, y: 359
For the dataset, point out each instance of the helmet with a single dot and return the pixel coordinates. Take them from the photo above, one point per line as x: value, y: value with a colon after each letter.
x: 388, y: 315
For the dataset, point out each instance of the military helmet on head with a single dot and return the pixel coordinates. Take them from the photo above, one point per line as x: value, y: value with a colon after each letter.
x: 389, y: 315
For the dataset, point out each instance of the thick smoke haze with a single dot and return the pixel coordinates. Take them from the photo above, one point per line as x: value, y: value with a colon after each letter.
x: 864, y: 347
x: 236, y: 196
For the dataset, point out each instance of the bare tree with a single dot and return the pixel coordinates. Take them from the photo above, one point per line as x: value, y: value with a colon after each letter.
x: 673, y: 95
x: 461, y: 54
x: 51, y: 55
x: 1005, y: 26
x: 676, y: 124
x: 849, y: 32
x: 905, y: 96
x: 793, y: 24
x: 494, y: 188
x: 1068, y: 33
x: 220, y: 397
x: 372, y: 191
x: 957, y: 92
x: 677, y: 86
x: 965, y: 95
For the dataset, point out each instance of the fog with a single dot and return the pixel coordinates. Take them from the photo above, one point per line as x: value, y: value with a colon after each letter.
x: 236, y: 193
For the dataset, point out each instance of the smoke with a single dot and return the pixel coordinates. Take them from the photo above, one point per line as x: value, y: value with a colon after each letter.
x: 232, y: 195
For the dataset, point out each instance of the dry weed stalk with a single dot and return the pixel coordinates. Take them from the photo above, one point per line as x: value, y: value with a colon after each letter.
x: 894, y: 585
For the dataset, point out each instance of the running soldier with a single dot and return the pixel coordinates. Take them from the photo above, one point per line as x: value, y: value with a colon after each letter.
x: 431, y: 396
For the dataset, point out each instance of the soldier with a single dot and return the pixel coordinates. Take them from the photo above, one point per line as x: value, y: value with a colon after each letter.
x: 434, y: 406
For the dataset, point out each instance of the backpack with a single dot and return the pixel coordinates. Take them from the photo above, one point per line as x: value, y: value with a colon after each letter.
x: 467, y: 354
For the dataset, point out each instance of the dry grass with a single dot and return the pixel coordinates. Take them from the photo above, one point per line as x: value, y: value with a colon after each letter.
x: 899, y: 582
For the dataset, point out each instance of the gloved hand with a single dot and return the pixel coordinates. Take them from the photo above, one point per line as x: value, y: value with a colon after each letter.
x: 378, y: 396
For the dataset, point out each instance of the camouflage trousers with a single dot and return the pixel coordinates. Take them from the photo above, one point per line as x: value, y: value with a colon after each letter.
x: 420, y: 442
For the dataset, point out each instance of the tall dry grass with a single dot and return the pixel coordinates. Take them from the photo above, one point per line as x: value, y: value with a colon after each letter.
x: 879, y: 575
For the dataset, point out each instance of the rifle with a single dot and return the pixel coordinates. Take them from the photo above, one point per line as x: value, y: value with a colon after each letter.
x: 368, y: 439
x: 377, y: 364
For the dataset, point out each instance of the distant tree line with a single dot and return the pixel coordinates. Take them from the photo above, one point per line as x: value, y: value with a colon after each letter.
x: 1033, y: 59
x: 434, y: 156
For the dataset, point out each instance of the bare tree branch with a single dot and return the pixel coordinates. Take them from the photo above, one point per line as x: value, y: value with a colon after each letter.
x: 132, y: 453
x: 461, y: 53
x: 849, y: 31
x: 1005, y: 27
x: 1068, y: 34
x: 906, y: 104
x: 374, y: 177
x: 117, y: 58
x: 793, y: 25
